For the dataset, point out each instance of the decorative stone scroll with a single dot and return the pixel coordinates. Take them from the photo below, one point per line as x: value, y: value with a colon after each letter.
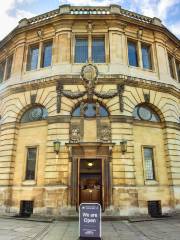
x: 120, y: 88
x: 147, y: 97
x: 33, y: 98
x: 59, y: 89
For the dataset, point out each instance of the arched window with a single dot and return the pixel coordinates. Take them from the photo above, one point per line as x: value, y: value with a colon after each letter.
x: 144, y: 112
x: 90, y: 110
x: 36, y: 113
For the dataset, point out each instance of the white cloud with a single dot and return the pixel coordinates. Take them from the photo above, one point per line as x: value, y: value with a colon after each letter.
x: 8, y: 22
x: 175, y: 28
x: 151, y: 8
x: 158, y: 8
x: 89, y: 2
x: 155, y: 8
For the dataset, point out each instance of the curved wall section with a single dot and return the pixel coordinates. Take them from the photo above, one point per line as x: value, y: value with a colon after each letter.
x: 77, y: 131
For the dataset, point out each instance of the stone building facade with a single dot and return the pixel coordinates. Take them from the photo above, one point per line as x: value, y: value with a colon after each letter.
x: 90, y: 112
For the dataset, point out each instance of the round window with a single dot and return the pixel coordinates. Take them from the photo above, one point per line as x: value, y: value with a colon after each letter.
x: 144, y: 113
x: 36, y: 114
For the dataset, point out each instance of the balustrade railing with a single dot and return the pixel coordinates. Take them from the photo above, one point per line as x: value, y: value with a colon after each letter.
x: 43, y: 17
x: 90, y: 10
x: 136, y: 16
x: 77, y: 10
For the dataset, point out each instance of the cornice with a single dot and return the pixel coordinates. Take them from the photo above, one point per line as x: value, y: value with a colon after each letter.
x: 59, y: 119
x: 102, y: 79
x: 113, y: 119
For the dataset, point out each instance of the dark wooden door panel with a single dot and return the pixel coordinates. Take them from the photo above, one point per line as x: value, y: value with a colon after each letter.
x: 90, y: 195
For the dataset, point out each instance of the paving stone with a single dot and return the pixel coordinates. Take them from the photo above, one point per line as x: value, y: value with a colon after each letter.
x: 166, y: 229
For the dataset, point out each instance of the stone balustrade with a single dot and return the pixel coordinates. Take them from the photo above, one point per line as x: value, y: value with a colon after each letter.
x: 89, y: 10
x: 43, y: 17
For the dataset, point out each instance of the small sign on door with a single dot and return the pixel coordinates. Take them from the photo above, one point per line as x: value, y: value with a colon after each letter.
x: 90, y: 221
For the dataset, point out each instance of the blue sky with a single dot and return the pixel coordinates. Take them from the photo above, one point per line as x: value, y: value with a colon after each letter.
x: 11, y: 11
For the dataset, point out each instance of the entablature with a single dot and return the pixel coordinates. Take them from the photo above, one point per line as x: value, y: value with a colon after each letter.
x: 103, y: 79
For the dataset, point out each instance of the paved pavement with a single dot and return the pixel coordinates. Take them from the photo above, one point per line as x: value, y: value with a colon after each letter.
x: 164, y: 229
x: 12, y: 229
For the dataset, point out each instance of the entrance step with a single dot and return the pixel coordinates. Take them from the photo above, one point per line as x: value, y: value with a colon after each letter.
x: 104, y: 218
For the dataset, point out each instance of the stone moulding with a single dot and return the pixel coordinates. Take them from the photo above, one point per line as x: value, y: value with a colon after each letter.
x: 76, y: 79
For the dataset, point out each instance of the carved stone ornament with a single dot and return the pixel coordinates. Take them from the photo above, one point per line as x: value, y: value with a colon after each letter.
x: 147, y: 97
x: 73, y: 95
x: 66, y: 93
x: 33, y: 98
x: 75, y: 135
x: 106, y: 95
x: 59, y: 89
x: 120, y: 88
x: 105, y: 134
x: 89, y: 74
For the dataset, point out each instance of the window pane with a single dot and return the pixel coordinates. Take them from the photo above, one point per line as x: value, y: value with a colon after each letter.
x: 31, y: 163
x: 144, y: 112
x: 47, y: 54
x: 81, y: 50
x: 34, y: 114
x: 170, y: 59
x: 103, y: 112
x: 132, y: 54
x: 33, y: 58
x: 146, y: 56
x: 178, y: 70
x: 98, y: 50
x: 77, y: 112
x: 90, y: 110
x: 149, y: 164
x: 9, y: 66
x: 2, y: 69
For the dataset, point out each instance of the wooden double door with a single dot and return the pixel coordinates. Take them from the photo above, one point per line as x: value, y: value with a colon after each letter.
x: 90, y: 178
x: 90, y: 181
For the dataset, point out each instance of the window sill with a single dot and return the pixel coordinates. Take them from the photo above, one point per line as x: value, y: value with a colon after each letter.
x: 89, y: 63
x: 143, y: 69
x: 174, y: 79
x: 136, y: 67
x: 37, y: 69
x: 29, y: 183
x: 151, y: 182
x: 148, y: 70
